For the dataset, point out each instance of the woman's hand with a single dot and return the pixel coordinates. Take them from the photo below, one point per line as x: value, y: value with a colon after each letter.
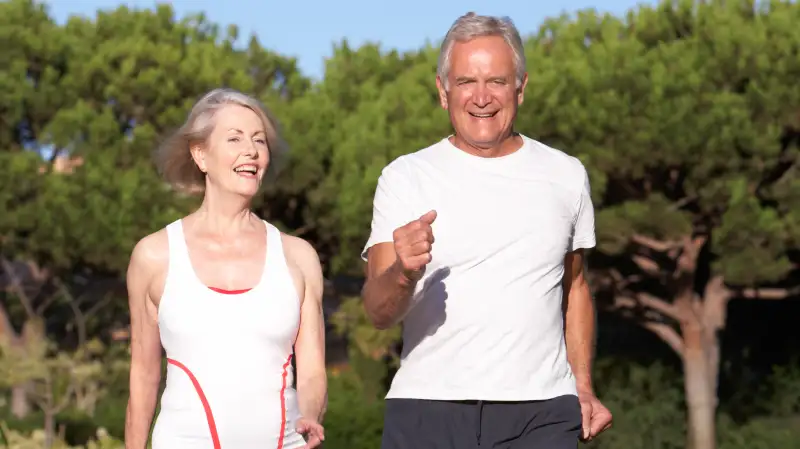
x: 312, y: 431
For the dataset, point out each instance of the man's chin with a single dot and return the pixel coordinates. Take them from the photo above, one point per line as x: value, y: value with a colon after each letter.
x: 484, y: 141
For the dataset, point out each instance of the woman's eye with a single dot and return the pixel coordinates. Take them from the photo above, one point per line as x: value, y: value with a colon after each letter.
x: 233, y: 139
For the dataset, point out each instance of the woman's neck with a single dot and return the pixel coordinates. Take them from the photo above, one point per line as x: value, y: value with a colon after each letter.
x: 224, y: 213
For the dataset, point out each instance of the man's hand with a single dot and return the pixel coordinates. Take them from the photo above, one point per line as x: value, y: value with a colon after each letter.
x: 413, y: 243
x: 596, y: 417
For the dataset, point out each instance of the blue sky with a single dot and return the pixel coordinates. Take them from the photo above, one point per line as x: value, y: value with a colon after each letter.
x: 308, y: 29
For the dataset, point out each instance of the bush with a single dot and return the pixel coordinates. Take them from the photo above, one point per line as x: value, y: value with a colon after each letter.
x: 36, y: 440
x: 354, y: 420
x: 647, y: 404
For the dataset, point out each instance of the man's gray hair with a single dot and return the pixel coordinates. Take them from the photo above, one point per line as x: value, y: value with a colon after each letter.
x: 468, y: 27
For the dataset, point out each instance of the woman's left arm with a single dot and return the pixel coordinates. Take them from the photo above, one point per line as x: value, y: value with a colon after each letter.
x: 312, y: 382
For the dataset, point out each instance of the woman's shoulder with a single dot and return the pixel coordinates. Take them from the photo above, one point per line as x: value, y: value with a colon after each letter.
x: 299, y: 252
x: 152, y: 250
x: 304, y: 265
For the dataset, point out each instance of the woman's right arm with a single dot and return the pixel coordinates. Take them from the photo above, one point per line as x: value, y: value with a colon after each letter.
x: 147, y: 260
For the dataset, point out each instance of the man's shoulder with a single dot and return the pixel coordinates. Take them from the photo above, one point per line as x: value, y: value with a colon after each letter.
x: 400, y: 166
x: 554, y: 157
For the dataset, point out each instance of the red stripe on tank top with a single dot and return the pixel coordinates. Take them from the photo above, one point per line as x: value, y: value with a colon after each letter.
x: 230, y: 292
x: 212, y: 426
x: 283, y: 402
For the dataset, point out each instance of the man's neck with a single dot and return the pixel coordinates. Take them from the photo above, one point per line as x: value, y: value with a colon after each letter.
x: 503, y: 147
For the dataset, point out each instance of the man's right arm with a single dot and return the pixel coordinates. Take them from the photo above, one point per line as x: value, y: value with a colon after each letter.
x: 393, y: 270
x: 397, y: 250
x: 387, y: 291
x: 145, y: 370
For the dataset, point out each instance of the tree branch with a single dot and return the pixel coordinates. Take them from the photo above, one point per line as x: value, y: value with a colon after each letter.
x: 17, y: 288
x: 98, y: 305
x: 646, y: 264
x: 682, y: 202
x: 300, y: 231
x: 80, y: 319
x: 6, y: 328
x: 620, y: 282
x: 65, y: 399
x: 667, y: 334
x: 651, y: 302
x: 768, y: 293
x: 654, y: 244
x: 660, y: 305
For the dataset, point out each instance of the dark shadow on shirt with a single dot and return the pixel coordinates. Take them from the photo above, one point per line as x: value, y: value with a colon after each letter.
x: 432, y: 307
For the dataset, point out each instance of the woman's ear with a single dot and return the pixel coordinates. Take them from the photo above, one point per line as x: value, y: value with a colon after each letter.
x: 199, y: 156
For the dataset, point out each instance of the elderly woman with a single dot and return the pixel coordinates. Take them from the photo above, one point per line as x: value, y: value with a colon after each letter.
x: 229, y: 298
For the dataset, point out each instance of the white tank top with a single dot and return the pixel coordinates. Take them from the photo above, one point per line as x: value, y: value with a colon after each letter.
x: 229, y: 375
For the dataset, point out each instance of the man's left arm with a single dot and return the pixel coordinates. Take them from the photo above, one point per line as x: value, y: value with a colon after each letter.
x: 579, y: 314
x: 579, y: 320
x: 579, y: 334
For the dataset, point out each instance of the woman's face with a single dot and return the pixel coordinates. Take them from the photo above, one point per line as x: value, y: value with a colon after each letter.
x: 236, y: 155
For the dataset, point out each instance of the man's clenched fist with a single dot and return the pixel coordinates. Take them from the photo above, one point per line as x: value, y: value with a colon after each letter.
x: 413, y: 243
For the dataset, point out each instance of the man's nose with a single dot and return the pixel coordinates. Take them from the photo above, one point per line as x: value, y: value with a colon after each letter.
x: 481, y: 96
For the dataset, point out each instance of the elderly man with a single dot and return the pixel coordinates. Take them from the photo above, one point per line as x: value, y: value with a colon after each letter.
x: 476, y: 245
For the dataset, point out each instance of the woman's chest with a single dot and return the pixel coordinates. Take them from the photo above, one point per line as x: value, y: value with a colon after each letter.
x: 269, y: 314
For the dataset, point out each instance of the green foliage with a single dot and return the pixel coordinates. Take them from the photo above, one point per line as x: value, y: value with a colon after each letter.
x: 53, y: 374
x: 647, y: 403
x: 653, y: 217
x: 354, y: 418
x: 763, y: 433
x: 351, y: 320
x: 36, y: 440
x: 681, y: 121
x: 684, y: 113
x: 53, y: 379
x: 105, y: 91
x: 785, y: 388
x: 371, y: 351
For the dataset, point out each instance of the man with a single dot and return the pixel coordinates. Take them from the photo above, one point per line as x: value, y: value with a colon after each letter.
x: 474, y: 241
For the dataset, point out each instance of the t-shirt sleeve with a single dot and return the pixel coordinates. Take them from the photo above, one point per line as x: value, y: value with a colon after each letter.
x: 390, y: 208
x: 583, y: 233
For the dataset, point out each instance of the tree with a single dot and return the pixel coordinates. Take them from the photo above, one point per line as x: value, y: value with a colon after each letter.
x: 371, y: 106
x: 53, y: 378
x: 686, y: 115
x: 83, y: 106
x: 690, y: 134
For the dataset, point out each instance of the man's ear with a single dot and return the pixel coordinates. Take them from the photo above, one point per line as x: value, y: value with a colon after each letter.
x: 442, y: 93
x: 521, y: 90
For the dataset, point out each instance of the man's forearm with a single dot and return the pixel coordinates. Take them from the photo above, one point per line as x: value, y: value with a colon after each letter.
x: 580, y: 336
x: 312, y: 397
x: 139, y: 415
x: 387, y: 296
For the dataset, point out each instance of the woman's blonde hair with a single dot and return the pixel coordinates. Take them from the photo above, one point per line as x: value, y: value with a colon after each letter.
x: 174, y: 159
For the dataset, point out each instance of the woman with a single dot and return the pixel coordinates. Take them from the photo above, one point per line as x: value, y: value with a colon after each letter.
x: 228, y: 297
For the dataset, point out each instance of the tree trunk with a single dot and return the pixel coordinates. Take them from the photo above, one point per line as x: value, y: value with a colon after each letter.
x: 20, y: 406
x: 49, y: 428
x: 700, y: 392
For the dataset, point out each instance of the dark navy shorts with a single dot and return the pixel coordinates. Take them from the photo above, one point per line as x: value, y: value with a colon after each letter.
x: 426, y: 424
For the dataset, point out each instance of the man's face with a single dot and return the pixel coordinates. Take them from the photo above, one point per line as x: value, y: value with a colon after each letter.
x: 482, y: 96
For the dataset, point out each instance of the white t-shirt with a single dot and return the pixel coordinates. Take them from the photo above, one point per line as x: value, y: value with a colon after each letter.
x: 486, y: 321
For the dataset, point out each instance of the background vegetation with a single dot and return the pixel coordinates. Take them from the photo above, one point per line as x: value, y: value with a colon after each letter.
x: 687, y: 115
